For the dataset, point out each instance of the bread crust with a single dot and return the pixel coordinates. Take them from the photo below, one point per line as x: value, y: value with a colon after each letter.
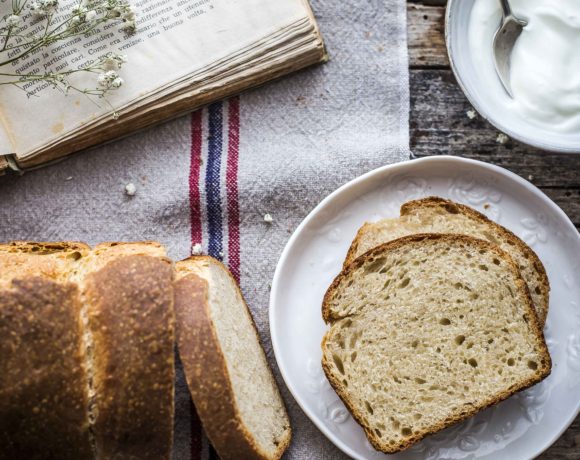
x: 130, y: 311
x: 42, y: 375
x: 42, y: 248
x: 456, y: 208
x: 40, y: 329
x: 542, y: 372
x: 206, y: 370
x: 128, y: 298
x: 353, y: 250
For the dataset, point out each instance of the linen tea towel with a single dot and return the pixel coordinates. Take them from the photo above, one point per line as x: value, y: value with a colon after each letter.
x: 210, y: 178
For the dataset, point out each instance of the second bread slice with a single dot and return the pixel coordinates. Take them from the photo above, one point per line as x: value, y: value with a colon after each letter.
x: 437, y: 215
x: 231, y: 384
x: 426, y: 331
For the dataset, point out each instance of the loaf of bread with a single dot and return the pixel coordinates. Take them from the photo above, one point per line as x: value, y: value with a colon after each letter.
x: 43, y: 381
x: 231, y: 384
x: 87, y: 371
x: 128, y: 307
x: 427, y: 330
x: 437, y: 215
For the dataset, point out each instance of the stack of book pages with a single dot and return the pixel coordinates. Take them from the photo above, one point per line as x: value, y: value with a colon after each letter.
x: 184, y: 54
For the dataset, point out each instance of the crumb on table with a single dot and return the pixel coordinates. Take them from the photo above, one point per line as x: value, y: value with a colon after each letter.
x: 502, y: 138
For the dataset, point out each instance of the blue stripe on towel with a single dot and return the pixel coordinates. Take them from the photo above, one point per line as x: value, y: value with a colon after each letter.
x: 212, y: 180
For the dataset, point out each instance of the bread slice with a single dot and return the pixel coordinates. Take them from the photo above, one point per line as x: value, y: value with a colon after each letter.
x: 231, y: 384
x: 437, y: 215
x: 43, y: 379
x: 427, y: 330
x: 86, y: 359
x: 129, y: 334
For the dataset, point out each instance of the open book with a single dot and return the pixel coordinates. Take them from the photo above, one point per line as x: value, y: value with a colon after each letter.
x: 184, y: 54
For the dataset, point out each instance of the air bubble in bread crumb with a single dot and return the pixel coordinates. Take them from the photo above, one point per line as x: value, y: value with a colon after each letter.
x: 196, y: 249
x: 502, y: 138
x: 268, y: 218
x: 130, y: 189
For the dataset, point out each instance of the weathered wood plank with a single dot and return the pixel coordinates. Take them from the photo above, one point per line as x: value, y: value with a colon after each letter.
x: 567, y: 447
x: 440, y: 125
x: 429, y: 2
x: 569, y: 201
x: 425, y: 32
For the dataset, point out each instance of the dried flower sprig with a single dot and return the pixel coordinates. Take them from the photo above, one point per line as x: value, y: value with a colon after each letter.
x: 85, y: 19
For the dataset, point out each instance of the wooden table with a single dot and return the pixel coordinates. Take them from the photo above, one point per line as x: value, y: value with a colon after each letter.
x: 440, y: 126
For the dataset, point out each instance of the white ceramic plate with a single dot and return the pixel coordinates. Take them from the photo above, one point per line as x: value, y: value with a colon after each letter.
x: 519, y: 428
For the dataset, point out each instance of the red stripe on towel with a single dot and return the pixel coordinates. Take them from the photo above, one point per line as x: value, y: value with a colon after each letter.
x: 194, y: 172
x: 196, y: 237
x: 232, y: 188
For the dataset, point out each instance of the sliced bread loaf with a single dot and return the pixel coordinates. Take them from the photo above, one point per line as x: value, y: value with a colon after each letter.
x: 127, y: 299
x: 437, y: 215
x: 231, y: 384
x: 43, y: 381
x: 427, y: 330
x: 86, y: 359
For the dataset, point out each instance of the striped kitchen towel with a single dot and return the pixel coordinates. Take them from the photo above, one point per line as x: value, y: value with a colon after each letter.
x: 207, y: 180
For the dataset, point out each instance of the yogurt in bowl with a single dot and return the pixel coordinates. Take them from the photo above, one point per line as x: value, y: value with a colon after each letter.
x: 545, y: 68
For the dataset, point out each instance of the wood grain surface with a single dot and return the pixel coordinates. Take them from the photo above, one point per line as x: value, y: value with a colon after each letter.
x: 440, y: 126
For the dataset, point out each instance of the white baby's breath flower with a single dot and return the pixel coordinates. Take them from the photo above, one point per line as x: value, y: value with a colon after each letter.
x: 13, y: 20
x: 471, y: 114
x: 120, y: 9
x: 117, y: 82
x: 76, y: 20
x: 129, y: 26
x: 113, y: 61
x: 109, y: 79
x: 91, y: 16
x: 102, y: 79
x: 43, y: 7
x: 128, y: 16
x: 79, y: 10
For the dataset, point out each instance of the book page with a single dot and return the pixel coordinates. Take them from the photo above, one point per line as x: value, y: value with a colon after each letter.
x: 174, y: 38
x: 7, y: 144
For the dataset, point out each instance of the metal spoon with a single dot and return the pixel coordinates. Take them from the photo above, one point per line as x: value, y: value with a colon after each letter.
x: 503, y: 43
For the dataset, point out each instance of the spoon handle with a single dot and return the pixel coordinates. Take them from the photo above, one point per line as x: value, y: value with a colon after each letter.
x: 507, y: 11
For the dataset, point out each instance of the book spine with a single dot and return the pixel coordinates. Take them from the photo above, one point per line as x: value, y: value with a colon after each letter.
x: 9, y: 164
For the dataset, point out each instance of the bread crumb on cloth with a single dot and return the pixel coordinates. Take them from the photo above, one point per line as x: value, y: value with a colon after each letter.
x: 130, y: 189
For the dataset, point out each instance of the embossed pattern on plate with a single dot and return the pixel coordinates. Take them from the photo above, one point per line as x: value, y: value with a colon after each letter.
x: 519, y: 428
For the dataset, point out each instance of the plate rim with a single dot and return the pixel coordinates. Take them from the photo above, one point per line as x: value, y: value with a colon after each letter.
x: 352, y: 183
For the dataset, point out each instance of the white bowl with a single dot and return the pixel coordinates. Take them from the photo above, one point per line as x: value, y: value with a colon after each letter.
x: 488, y: 97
